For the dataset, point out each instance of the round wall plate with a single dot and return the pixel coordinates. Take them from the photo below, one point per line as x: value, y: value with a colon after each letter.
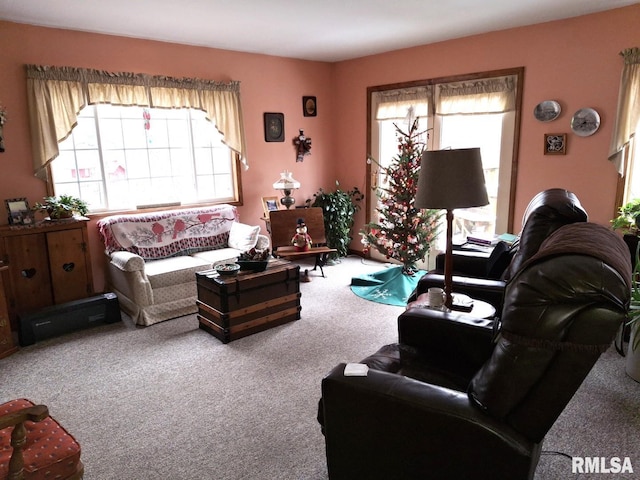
x: 547, y: 111
x: 585, y: 122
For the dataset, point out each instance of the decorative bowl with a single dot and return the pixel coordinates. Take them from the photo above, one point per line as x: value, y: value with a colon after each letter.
x: 227, y: 268
x: 253, y: 265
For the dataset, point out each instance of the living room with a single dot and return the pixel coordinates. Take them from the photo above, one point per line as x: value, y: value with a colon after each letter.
x: 585, y: 71
x: 575, y: 61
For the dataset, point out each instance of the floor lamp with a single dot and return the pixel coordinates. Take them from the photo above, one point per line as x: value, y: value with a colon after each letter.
x: 451, y: 179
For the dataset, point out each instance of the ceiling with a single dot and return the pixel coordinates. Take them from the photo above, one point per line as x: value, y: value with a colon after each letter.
x: 323, y: 30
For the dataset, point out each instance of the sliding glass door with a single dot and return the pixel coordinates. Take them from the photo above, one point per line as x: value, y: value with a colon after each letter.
x: 479, y: 110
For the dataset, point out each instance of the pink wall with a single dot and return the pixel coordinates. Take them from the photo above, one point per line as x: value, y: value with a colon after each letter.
x: 268, y: 84
x: 574, y: 61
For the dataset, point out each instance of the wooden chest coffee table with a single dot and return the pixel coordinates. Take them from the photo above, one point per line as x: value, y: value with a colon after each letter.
x: 231, y: 307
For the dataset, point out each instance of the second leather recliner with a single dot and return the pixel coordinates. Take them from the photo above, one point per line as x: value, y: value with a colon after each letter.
x: 546, y: 212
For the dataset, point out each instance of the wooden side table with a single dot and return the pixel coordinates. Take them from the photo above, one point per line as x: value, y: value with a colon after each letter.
x: 49, y: 263
x: 7, y: 344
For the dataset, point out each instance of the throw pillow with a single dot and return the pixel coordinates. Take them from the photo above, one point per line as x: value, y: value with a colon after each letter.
x: 243, y: 237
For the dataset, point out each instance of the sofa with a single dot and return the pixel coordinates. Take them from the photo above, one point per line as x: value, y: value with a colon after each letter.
x: 152, y: 258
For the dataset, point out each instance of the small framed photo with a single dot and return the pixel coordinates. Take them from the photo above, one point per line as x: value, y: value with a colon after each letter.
x: 19, y: 211
x: 273, y: 127
x: 269, y: 204
x: 309, y: 106
x: 555, y: 143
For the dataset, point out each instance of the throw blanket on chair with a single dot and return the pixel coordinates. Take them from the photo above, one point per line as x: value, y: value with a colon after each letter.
x: 587, y: 239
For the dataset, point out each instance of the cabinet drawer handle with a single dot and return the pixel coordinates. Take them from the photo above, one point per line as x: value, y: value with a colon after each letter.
x: 28, y: 272
x: 68, y: 267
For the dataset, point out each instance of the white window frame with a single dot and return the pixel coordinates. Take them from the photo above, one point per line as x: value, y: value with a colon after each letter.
x: 224, y: 166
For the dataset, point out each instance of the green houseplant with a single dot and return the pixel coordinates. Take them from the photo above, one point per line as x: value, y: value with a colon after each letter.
x: 63, y: 206
x: 632, y: 363
x: 338, y: 208
x: 627, y: 223
x: 628, y: 217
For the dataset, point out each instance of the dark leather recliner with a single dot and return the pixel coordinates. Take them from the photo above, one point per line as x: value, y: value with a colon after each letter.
x: 455, y: 400
x: 483, y: 276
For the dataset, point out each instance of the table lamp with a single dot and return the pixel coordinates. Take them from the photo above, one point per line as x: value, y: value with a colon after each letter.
x: 286, y: 183
x: 451, y: 179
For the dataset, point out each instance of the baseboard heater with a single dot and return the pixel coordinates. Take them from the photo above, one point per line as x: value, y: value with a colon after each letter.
x: 68, y: 317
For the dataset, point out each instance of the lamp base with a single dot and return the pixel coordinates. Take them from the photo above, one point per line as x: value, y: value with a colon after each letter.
x: 287, y: 200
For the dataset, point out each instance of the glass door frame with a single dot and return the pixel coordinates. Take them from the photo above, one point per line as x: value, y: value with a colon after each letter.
x: 518, y: 72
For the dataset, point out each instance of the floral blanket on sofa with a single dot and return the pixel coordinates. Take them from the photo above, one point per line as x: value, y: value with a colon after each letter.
x: 167, y: 234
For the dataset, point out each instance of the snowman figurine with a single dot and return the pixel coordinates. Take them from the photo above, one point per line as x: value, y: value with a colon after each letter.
x: 301, y: 240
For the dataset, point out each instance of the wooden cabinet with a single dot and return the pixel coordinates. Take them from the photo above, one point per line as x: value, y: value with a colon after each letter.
x: 49, y: 263
x: 7, y: 345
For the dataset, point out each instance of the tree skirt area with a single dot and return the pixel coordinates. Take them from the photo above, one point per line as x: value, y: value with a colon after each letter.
x: 389, y: 286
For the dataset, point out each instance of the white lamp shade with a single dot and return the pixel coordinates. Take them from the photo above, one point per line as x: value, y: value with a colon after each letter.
x: 286, y: 182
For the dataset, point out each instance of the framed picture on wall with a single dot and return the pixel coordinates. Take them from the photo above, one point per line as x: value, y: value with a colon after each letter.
x: 309, y: 106
x: 273, y: 127
x: 555, y: 143
x: 19, y: 211
x: 269, y: 204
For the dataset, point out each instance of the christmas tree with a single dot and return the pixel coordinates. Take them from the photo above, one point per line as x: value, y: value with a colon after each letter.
x: 402, y: 232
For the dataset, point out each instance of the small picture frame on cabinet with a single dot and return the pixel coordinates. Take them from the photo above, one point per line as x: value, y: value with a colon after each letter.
x: 19, y: 211
x: 269, y: 204
x: 555, y: 143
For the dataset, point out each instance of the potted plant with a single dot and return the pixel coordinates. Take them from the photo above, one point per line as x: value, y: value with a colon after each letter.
x: 632, y: 362
x: 627, y: 222
x: 339, y: 208
x: 63, y: 206
x: 628, y: 218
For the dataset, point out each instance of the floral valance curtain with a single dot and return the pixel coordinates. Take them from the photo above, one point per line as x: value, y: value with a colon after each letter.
x: 401, y: 103
x: 628, y: 115
x: 57, y: 94
x: 494, y: 95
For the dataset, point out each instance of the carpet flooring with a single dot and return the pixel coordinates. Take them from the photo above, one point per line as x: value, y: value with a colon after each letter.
x: 170, y: 401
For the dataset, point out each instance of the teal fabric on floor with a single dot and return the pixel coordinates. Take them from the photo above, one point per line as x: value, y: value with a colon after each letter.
x: 389, y: 286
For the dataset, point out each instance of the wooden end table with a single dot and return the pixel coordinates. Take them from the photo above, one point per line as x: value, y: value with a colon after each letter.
x: 231, y: 307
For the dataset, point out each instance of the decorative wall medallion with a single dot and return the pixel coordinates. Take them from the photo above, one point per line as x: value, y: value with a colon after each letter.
x: 547, y: 111
x: 585, y: 122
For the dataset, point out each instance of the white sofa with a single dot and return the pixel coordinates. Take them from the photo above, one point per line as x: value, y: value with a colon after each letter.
x: 153, y: 257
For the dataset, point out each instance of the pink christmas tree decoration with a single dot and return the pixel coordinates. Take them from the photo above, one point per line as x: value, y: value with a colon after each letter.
x: 402, y: 232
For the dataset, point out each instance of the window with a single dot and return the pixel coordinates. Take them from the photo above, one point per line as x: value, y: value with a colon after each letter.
x: 627, y: 125
x: 121, y: 140
x: 632, y: 190
x: 486, y: 131
x: 127, y: 157
x: 457, y: 113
